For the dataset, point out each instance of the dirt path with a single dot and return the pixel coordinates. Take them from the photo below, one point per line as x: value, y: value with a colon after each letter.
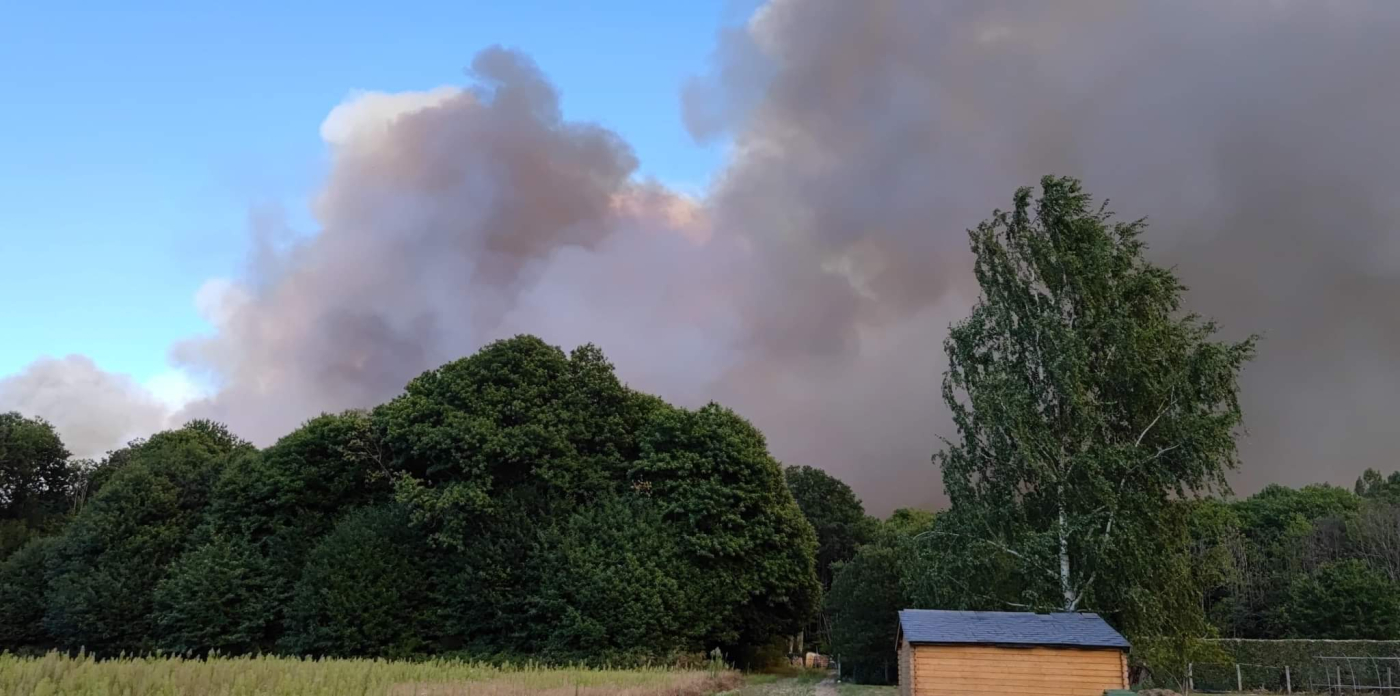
x: 827, y: 687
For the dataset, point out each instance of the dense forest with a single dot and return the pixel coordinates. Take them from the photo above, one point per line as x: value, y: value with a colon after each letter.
x: 523, y: 503
x: 517, y: 503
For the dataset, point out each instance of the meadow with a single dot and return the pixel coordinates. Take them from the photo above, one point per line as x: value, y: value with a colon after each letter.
x: 56, y: 674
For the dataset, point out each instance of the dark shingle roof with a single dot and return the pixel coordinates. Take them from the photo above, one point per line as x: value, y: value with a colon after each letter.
x: 1008, y: 628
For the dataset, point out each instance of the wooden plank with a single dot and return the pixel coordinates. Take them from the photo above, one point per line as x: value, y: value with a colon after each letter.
x: 1009, y: 664
x: 1112, y: 662
x: 985, y: 663
x: 1047, y: 673
x: 1039, y: 690
x: 992, y: 687
x: 1033, y: 677
x: 1107, y: 656
x: 1015, y: 681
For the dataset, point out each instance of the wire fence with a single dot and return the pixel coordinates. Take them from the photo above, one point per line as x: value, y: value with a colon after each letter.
x: 1321, y: 674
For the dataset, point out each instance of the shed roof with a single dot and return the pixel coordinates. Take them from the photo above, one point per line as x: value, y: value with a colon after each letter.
x: 1083, y: 630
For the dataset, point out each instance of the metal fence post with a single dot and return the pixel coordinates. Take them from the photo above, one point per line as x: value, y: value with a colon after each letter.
x: 1239, y: 681
x: 1287, y: 679
x: 1190, y: 682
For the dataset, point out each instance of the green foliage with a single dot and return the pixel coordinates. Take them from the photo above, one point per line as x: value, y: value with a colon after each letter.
x: 1085, y: 403
x: 613, y: 587
x: 116, y: 550
x: 1270, y: 514
x: 839, y: 520
x: 35, y: 477
x: 519, y: 502
x: 218, y: 596
x: 716, y: 484
x: 36, y: 480
x: 23, y: 582
x: 835, y: 513
x: 366, y: 590
x: 267, y: 511
x: 864, y: 603
x: 518, y: 414
x: 1372, y: 485
x: 1345, y: 600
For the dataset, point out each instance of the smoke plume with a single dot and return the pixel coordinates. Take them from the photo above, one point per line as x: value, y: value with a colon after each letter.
x: 812, y: 286
x: 92, y: 409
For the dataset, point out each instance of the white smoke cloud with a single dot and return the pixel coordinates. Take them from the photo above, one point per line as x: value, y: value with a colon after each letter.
x: 92, y: 409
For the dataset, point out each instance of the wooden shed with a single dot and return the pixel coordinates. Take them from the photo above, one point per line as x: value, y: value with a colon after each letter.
x: 965, y: 653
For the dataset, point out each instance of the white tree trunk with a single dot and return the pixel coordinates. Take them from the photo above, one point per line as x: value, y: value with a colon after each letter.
x: 1065, y: 586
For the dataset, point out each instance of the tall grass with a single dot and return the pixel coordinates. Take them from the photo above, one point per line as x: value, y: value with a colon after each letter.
x: 56, y: 674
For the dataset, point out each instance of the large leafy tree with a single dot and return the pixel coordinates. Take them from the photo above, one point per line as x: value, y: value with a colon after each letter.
x: 1085, y: 401
x: 105, y: 568
x: 839, y: 519
x: 836, y: 515
x: 1344, y: 600
x: 724, y: 496
x: 868, y: 591
x: 485, y: 448
x: 266, y: 512
x: 36, y: 479
x: 367, y: 590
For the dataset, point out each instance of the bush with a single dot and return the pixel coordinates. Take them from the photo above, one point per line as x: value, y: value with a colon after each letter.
x: 1345, y: 599
x: 110, y: 558
x: 218, y: 596
x: 366, y: 590
x: 23, y: 583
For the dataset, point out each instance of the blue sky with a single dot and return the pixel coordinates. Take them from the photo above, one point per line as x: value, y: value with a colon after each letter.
x: 135, y: 143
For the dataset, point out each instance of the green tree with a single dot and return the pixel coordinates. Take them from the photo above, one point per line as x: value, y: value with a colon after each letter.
x: 1372, y: 485
x: 613, y: 587
x: 835, y: 513
x: 839, y: 519
x: 117, y: 548
x: 717, y: 485
x: 864, y: 604
x: 1085, y: 401
x: 1343, y: 600
x: 23, y: 583
x: 218, y: 596
x: 517, y: 415
x: 266, y: 512
x: 367, y: 590
x: 36, y: 480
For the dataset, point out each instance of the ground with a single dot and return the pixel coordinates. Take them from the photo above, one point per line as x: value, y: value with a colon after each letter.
x: 808, y: 685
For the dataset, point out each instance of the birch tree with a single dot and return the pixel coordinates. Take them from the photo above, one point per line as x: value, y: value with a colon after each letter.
x: 1085, y: 401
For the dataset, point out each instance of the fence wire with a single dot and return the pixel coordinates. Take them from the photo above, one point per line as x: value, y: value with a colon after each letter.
x: 1321, y: 674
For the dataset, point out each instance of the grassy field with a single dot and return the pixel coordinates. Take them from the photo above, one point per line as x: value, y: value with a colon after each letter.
x: 58, y: 675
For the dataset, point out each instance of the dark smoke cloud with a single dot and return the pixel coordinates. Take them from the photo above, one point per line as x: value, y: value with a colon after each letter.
x: 1256, y: 136
x: 813, y: 285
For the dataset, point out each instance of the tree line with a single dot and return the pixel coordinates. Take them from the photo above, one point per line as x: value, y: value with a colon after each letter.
x: 519, y: 503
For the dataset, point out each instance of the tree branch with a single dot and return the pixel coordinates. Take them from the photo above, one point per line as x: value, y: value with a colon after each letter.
x: 1165, y: 407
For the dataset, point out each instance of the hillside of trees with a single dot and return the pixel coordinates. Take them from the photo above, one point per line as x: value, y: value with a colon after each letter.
x: 517, y: 503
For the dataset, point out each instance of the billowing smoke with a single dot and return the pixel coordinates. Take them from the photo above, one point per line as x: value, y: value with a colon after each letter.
x: 92, y: 409
x: 1256, y: 136
x: 811, y: 287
